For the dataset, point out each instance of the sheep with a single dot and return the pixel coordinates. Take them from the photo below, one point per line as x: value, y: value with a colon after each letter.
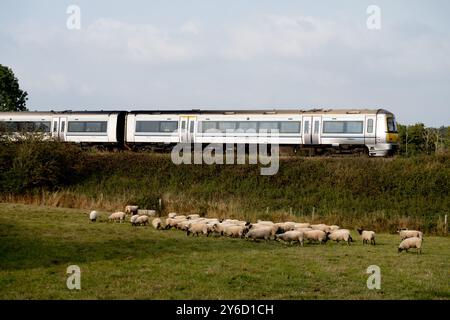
x: 285, y: 226
x: 197, y: 228
x: 150, y: 213
x: 93, y: 216
x: 131, y: 209
x: 265, y: 222
x: 173, y: 222
x: 301, y: 225
x: 321, y: 226
x: 303, y: 229
x: 334, y: 228
x: 274, y: 228
x: 340, y: 235
x: 367, y: 236
x: 133, y: 219
x: 157, y: 223
x: 291, y: 236
x: 408, y: 243
x: 259, y: 233
x: 316, y: 235
x: 141, y: 220
x: 409, y: 234
x: 193, y: 216
x: 235, y: 231
x: 172, y: 215
x: 117, y: 216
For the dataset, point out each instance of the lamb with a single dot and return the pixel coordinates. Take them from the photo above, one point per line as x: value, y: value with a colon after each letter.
x: 409, y: 234
x: 409, y: 243
x: 197, y: 228
x: 291, y: 236
x: 120, y: 216
x: 340, y: 235
x: 260, y: 233
x: 141, y: 220
x: 157, y: 223
x: 367, y: 236
x: 316, y: 235
x: 131, y: 209
x: 93, y: 216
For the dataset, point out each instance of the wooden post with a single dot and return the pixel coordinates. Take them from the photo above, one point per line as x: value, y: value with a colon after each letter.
x: 290, y: 211
x: 267, y: 210
x: 445, y: 224
x: 314, y: 209
x: 160, y: 204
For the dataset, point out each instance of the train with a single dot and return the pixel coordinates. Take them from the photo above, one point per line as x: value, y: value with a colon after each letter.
x: 370, y: 131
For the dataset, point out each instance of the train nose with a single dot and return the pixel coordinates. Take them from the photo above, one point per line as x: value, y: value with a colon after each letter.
x: 392, y: 137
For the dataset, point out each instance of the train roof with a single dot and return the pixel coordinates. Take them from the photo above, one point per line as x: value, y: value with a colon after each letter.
x: 211, y: 111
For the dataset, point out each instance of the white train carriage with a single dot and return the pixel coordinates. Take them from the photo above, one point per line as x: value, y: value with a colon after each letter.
x: 371, y: 130
x: 15, y: 124
x: 104, y: 128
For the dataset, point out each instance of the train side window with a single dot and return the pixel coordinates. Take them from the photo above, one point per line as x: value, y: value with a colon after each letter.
x: 191, y: 127
x: 183, y: 125
x: 55, y: 126
x: 370, y: 126
x: 316, y: 127
x: 306, y: 127
x: 290, y: 127
x: 63, y: 126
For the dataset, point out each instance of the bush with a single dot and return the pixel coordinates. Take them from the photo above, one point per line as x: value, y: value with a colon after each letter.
x: 34, y: 163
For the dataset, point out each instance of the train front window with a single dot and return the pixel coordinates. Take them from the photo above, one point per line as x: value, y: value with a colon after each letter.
x: 391, y: 125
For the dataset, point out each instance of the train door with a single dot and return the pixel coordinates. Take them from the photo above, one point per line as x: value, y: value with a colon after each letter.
x: 62, y: 129
x: 370, y: 130
x: 315, y: 130
x: 187, y: 129
x: 55, y: 128
x: 307, y: 130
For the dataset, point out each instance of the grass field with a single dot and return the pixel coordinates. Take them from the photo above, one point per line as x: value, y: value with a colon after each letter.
x: 118, y: 261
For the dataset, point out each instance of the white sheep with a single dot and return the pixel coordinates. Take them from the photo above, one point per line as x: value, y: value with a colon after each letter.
x: 367, y: 236
x: 142, y: 220
x: 172, y: 215
x: 341, y: 235
x: 93, y: 216
x: 321, y: 226
x: 150, y: 213
x: 133, y: 219
x: 334, y: 228
x: 197, y: 228
x: 235, y: 231
x: 285, y: 226
x: 409, y: 234
x: 193, y: 216
x: 117, y: 216
x: 316, y: 235
x: 259, y: 233
x: 130, y: 209
x: 291, y: 236
x: 173, y: 222
x: 157, y: 223
x: 409, y: 243
x: 301, y: 225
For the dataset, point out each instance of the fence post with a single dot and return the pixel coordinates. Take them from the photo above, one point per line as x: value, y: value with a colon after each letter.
x: 445, y: 224
x: 290, y: 211
x: 314, y: 209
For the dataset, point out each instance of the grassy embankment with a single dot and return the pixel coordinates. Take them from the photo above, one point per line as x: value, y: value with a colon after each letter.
x: 382, y: 194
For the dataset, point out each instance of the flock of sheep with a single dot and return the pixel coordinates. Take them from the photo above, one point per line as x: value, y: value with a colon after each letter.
x: 290, y: 232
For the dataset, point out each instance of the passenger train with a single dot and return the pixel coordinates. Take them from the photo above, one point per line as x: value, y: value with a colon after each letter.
x: 351, y: 130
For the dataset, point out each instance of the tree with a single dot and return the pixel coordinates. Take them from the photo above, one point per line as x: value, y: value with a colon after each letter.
x: 12, y: 98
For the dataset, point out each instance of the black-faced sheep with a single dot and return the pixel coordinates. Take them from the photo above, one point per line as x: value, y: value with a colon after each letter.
x: 367, y: 236
x: 409, y: 243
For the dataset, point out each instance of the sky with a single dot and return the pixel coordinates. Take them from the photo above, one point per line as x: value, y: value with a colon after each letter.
x: 230, y: 54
